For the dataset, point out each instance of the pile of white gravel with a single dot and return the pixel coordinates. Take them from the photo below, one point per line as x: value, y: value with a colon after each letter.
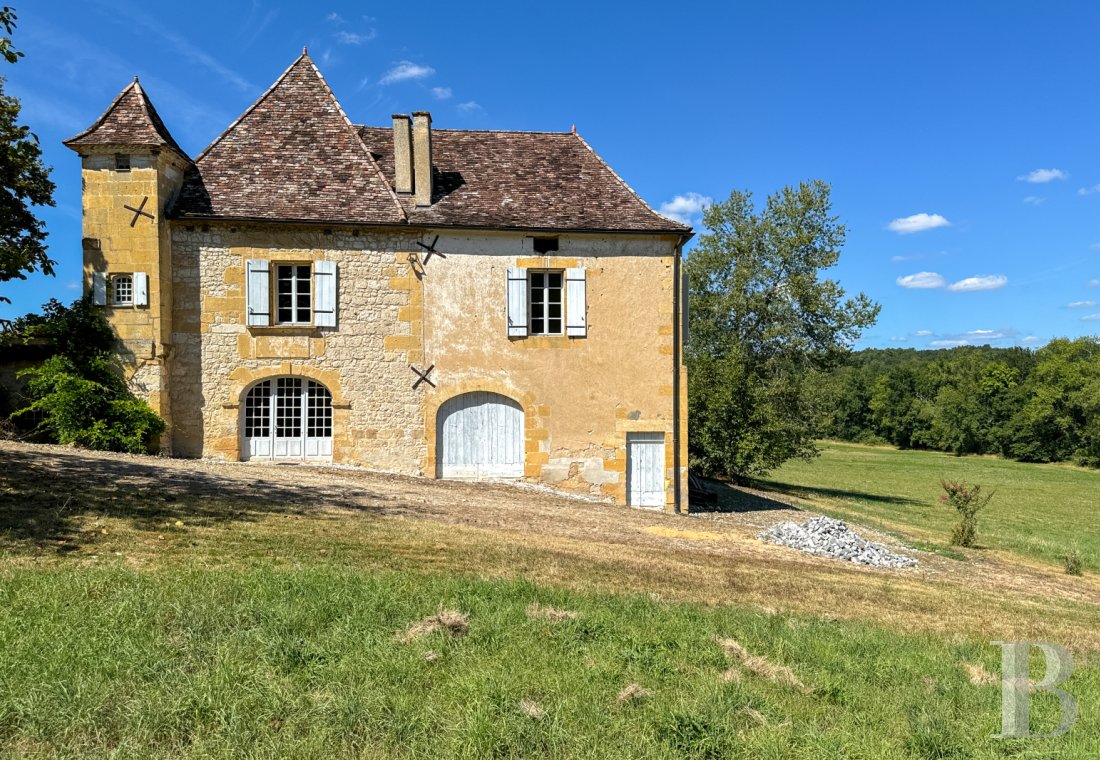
x: 827, y: 537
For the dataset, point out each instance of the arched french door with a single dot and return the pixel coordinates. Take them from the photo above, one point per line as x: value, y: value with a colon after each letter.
x: 287, y: 418
x: 480, y: 435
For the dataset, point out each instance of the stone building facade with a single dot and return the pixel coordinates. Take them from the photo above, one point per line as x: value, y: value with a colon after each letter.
x: 431, y: 302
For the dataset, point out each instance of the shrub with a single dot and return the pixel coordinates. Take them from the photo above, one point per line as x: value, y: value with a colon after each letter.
x: 93, y: 408
x: 1073, y: 562
x: 968, y: 500
x: 78, y: 395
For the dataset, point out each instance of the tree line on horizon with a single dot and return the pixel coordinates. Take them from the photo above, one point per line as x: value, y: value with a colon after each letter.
x: 1030, y: 405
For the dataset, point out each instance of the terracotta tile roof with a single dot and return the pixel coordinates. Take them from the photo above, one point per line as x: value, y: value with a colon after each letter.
x: 527, y: 180
x: 129, y: 120
x: 292, y: 156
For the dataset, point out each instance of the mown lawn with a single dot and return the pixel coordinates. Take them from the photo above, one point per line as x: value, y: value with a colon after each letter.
x: 306, y: 662
x: 1039, y: 510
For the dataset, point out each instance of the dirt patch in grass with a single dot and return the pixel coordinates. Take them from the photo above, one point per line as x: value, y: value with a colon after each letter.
x: 634, y: 692
x: 978, y: 675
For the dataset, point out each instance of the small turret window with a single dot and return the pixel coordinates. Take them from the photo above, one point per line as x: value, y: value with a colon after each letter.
x: 122, y: 162
x: 122, y: 290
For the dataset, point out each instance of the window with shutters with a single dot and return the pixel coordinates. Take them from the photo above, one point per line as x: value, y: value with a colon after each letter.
x: 293, y: 294
x: 546, y: 304
x: 122, y: 290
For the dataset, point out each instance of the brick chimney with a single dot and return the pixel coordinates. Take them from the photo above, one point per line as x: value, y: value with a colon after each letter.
x: 402, y: 152
x: 422, y: 157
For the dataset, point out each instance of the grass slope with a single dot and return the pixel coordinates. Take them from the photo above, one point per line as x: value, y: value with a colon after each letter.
x: 1039, y: 510
x: 307, y: 663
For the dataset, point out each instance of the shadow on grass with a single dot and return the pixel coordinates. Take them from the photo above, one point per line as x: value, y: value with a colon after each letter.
x: 43, y: 495
x: 728, y: 498
x: 812, y: 492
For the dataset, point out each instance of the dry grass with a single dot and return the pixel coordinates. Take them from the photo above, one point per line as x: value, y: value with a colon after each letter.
x: 634, y: 692
x: 236, y: 516
x: 553, y: 614
x: 978, y: 675
x: 761, y: 666
x: 450, y: 621
x: 532, y: 709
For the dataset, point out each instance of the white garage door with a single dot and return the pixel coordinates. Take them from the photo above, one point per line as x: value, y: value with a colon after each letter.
x: 480, y: 435
x: 645, y: 469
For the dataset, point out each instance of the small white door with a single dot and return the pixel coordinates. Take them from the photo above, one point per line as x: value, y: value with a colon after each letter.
x: 645, y: 469
x: 287, y: 418
x: 480, y: 435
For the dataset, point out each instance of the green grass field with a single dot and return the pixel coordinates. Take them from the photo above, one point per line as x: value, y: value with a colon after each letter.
x: 307, y: 663
x: 1039, y: 510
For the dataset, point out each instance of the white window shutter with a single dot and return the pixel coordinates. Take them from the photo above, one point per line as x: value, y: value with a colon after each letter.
x: 258, y: 293
x: 517, y: 302
x: 324, y: 280
x: 99, y: 288
x: 141, y: 289
x: 576, y: 303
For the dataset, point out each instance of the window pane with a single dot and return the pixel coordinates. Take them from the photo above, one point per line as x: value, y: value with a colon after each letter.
x: 285, y: 300
x: 554, y: 310
x: 554, y: 279
x: 554, y: 295
x: 536, y: 311
x: 288, y: 408
x: 536, y: 279
x: 303, y: 272
x: 554, y: 326
x: 303, y: 300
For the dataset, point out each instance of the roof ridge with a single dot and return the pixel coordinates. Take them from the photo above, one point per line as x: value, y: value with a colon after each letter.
x: 154, y: 119
x: 623, y: 182
x: 103, y: 117
x: 485, y: 131
x: 356, y: 136
x: 252, y: 107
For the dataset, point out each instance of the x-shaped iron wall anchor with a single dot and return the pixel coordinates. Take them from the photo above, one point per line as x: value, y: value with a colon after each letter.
x: 139, y: 211
x: 422, y: 376
x: 431, y: 251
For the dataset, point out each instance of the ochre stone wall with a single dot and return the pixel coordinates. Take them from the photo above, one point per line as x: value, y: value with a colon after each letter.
x: 217, y: 357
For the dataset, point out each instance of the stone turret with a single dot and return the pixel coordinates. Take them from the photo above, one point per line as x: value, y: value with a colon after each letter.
x: 132, y: 169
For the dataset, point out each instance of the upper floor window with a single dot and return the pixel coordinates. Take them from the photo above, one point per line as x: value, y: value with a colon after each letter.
x: 546, y: 303
x: 294, y: 294
x: 122, y: 290
x: 122, y: 162
x: 302, y: 295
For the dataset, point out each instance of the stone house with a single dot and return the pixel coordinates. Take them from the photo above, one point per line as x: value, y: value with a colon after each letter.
x: 448, y: 303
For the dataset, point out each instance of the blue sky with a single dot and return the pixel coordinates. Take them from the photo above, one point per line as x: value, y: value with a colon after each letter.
x: 959, y: 138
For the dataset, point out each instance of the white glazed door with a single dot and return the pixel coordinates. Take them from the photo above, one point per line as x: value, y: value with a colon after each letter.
x: 288, y: 418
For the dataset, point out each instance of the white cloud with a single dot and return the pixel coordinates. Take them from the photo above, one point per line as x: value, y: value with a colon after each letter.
x: 72, y: 285
x: 949, y: 343
x: 1089, y: 190
x: 1094, y: 283
x: 922, y: 280
x: 1082, y: 304
x: 351, y: 38
x: 981, y: 282
x: 335, y: 18
x: 1091, y: 318
x: 922, y: 333
x: 907, y: 225
x: 1029, y: 339
x: 1034, y: 200
x: 986, y: 334
x: 686, y: 208
x: 1095, y: 246
x: 1040, y: 176
x: 441, y: 93
x: 469, y: 105
x: 899, y: 338
x: 405, y: 71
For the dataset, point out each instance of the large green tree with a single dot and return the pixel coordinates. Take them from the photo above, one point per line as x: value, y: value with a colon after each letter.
x: 24, y: 182
x: 764, y: 325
